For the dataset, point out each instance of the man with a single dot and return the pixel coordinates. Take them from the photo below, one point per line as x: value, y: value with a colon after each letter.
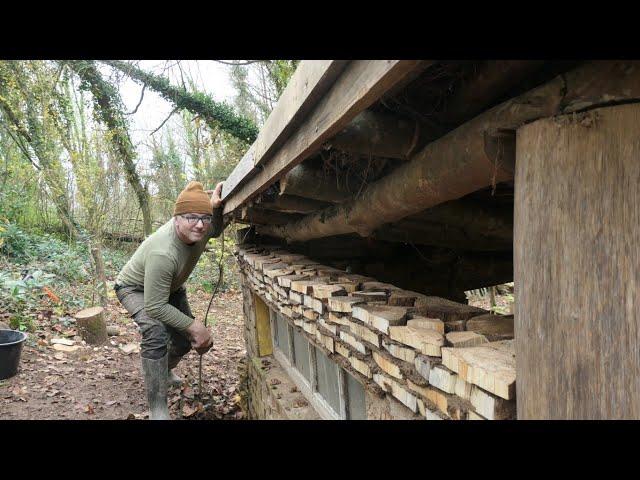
x: 151, y: 287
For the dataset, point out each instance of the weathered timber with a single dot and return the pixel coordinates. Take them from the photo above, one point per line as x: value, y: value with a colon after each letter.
x: 426, y: 322
x: 387, y: 365
x: 427, y: 342
x: 464, y: 339
x: 492, y: 407
x: 443, y: 309
x: 399, y: 351
x: 326, y: 291
x: 491, y: 366
x: 479, y: 153
x: 291, y: 204
x: 443, y: 379
x: 576, y: 266
x: 260, y: 216
x: 493, y: 327
x: 315, y: 184
x: 343, y: 304
x: 380, y: 135
x: 360, y: 84
x: 304, y: 90
x: 380, y: 317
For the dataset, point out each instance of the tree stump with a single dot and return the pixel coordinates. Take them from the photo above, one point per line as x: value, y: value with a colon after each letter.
x: 91, y: 325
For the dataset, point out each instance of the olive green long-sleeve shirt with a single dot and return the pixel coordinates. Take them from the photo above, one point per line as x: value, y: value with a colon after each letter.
x: 161, y: 265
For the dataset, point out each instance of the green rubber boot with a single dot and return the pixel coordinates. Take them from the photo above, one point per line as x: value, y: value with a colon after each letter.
x: 156, y: 383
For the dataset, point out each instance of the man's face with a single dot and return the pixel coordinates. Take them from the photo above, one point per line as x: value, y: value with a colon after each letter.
x: 192, y: 226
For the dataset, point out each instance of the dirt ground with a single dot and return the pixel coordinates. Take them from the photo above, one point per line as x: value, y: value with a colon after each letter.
x: 104, y: 383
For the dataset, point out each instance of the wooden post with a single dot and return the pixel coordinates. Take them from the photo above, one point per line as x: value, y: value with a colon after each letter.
x: 91, y: 325
x: 576, y: 266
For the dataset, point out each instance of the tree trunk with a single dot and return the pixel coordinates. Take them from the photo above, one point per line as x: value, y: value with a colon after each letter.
x: 308, y: 182
x: 96, y: 253
x: 91, y: 325
x: 108, y: 108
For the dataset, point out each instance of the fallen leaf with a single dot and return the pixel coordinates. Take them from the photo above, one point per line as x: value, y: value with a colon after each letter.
x: 65, y: 348
x: 130, y: 348
x: 188, y: 411
x: 51, y: 295
x: 89, y: 409
x: 300, y: 402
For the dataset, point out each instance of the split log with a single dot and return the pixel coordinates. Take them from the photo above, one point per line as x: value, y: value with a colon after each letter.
x: 387, y: 365
x: 445, y: 310
x: 465, y: 339
x: 343, y: 304
x: 428, y: 342
x: 443, y: 379
x: 370, y: 296
x: 479, y: 153
x: 425, y: 322
x: 380, y: 317
x: 326, y: 291
x: 91, y: 325
x: 491, y: 366
x: 492, y: 407
x: 399, y: 351
x: 364, y: 333
x: 494, y: 327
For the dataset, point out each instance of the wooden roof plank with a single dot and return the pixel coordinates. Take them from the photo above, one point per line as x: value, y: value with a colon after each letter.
x: 309, y: 82
x: 361, y: 83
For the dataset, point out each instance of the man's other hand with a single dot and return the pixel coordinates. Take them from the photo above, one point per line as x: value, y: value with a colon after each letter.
x: 216, y: 196
x: 200, y: 337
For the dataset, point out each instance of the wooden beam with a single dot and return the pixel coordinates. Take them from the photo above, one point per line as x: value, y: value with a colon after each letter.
x: 291, y: 204
x: 463, y: 161
x: 314, y: 183
x: 361, y: 83
x: 243, y: 170
x: 380, y: 135
x: 576, y: 266
x: 259, y: 216
x: 310, y: 81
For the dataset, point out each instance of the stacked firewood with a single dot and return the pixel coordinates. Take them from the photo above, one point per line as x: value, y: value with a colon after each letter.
x: 441, y: 359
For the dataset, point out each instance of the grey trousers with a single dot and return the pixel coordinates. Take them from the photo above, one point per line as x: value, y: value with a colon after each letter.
x: 158, y: 339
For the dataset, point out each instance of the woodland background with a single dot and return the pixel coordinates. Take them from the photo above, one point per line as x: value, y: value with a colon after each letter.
x: 77, y: 194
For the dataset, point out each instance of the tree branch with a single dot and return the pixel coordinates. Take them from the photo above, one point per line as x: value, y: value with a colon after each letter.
x: 144, y: 86
x: 214, y: 113
x: 165, y: 120
x: 241, y: 63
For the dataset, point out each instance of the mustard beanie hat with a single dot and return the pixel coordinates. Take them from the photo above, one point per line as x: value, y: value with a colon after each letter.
x: 193, y: 199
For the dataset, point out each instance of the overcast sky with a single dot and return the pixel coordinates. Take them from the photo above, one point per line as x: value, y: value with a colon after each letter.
x: 210, y: 76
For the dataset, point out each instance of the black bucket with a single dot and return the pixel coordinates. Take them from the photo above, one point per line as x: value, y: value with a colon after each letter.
x: 10, y: 348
